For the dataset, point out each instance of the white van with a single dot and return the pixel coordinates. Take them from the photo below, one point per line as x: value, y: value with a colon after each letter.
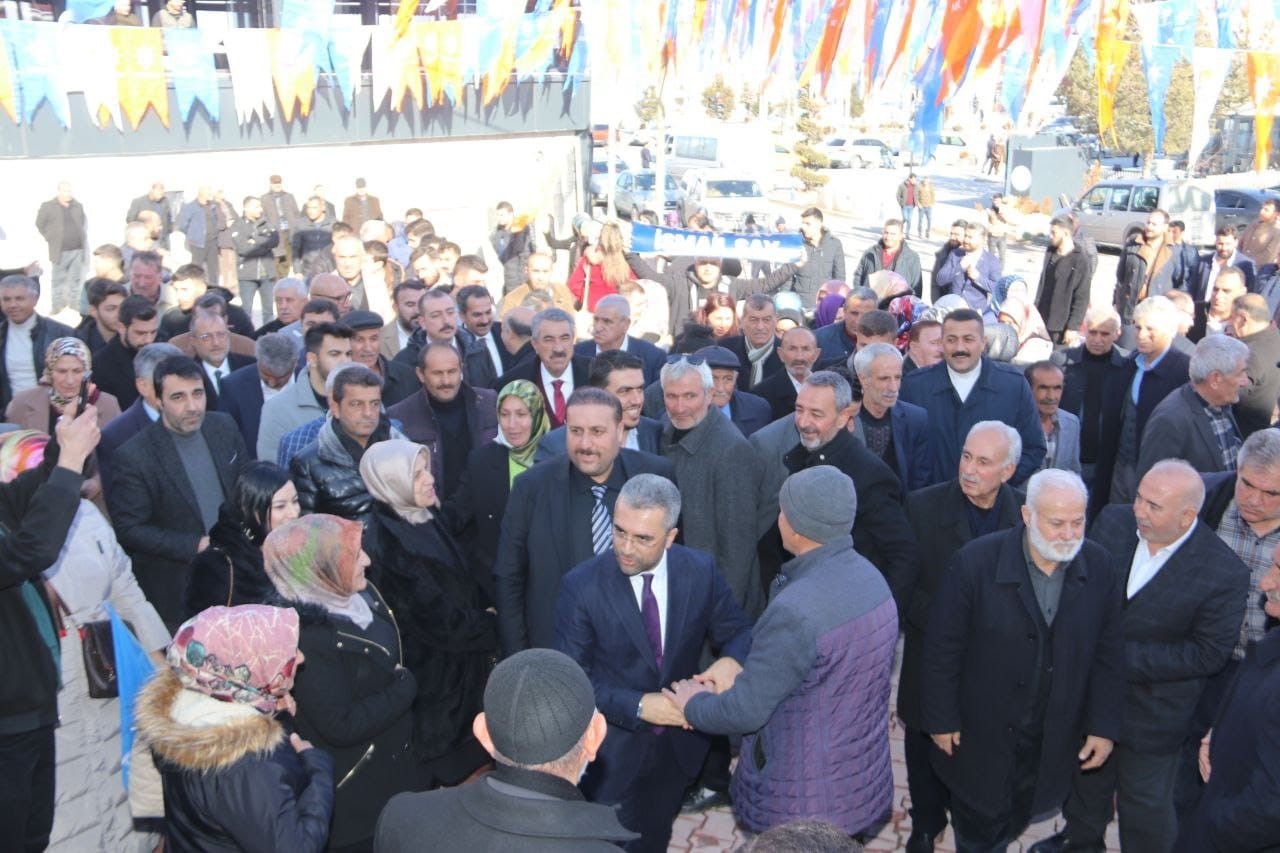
x: 730, y: 146
x: 1113, y: 211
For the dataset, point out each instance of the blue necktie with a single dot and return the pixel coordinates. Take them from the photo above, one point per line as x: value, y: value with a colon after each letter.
x: 601, y: 524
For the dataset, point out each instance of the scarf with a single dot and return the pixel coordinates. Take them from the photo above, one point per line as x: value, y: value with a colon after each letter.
x: 244, y: 655
x: 828, y: 308
x: 387, y: 471
x: 527, y: 393
x: 757, y: 356
x: 56, y: 350
x: 313, y: 559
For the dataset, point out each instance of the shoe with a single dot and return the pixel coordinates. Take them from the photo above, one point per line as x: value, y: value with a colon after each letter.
x: 920, y: 841
x: 701, y: 799
x: 1059, y: 844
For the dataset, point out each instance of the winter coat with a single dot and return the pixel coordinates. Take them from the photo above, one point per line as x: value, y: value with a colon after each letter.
x: 49, y: 222
x: 44, y: 332
x: 906, y: 264
x: 824, y: 263
x: 449, y: 638
x: 1064, y: 290
x: 513, y: 249
x: 229, y: 572
x: 1132, y: 274
x: 310, y: 242
x: 812, y: 698
x: 328, y: 479
x: 354, y: 702
x: 255, y: 242
x: 237, y: 785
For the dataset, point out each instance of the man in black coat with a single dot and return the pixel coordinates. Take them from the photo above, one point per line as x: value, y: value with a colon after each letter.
x: 890, y: 252
x: 554, y: 517
x: 399, y: 380
x: 212, y: 341
x: 757, y: 346
x: 484, y: 352
x: 1183, y: 603
x: 556, y: 371
x: 1251, y: 324
x: 799, y: 351
x: 1023, y: 676
x: 246, y: 389
x: 541, y: 727
x: 609, y: 327
x: 19, y: 293
x: 168, y: 483
x: 113, y: 364
x: 61, y: 223
x: 1063, y: 296
x: 944, y: 518
x: 1095, y: 379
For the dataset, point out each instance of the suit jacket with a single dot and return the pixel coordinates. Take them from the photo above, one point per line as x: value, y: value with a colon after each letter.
x: 1204, y: 267
x: 477, y: 362
x: 1258, y: 401
x: 598, y: 624
x: 476, y: 510
x: 234, y: 362
x: 115, y: 434
x: 1067, y: 454
x: 389, y: 339
x: 978, y: 663
x: 531, y: 369
x: 779, y: 392
x: 912, y: 453
x: 399, y: 381
x: 541, y: 541
x: 351, y: 210
x: 154, y: 507
x: 1179, y: 428
x: 1179, y: 629
x: 939, y: 518
x: 738, y: 346
x: 418, y: 423
x: 749, y: 412
x: 654, y: 357
x: 241, y: 398
x: 648, y: 436
x: 834, y: 343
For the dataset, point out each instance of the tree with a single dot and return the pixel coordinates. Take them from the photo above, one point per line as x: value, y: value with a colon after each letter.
x: 811, y: 159
x: 718, y: 99
x: 750, y: 100
x: 648, y: 107
x: 856, y: 105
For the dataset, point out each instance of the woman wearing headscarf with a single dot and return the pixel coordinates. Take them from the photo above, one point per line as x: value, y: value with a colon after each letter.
x: 830, y: 310
x: 229, y: 571
x: 233, y: 779
x: 476, y: 509
x: 67, y: 364
x: 1016, y: 309
x: 449, y: 630
x: 354, y: 695
x: 92, y: 569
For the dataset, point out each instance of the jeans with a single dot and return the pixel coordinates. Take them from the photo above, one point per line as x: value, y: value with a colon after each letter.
x: 26, y: 789
x: 906, y: 219
x: 924, y: 221
x: 997, y: 246
x: 67, y: 274
x: 1141, y: 784
x: 265, y: 287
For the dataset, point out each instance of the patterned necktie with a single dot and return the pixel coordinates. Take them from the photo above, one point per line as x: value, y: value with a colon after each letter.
x: 649, y: 614
x: 601, y: 523
x: 557, y: 401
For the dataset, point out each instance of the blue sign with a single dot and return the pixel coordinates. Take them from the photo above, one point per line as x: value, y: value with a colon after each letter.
x: 778, y: 248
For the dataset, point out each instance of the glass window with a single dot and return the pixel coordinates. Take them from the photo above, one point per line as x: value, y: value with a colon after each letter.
x: 1145, y: 199
x: 1096, y: 199
x: 733, y: 189
x: 1120, y: 198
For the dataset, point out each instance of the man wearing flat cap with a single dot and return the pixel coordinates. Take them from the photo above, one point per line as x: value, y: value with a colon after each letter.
x: 748, y: 411
x: 542, y: 728
x: 820, y: 661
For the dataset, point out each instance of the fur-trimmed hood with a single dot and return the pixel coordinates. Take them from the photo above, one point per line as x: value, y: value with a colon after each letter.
x: 215, y: 742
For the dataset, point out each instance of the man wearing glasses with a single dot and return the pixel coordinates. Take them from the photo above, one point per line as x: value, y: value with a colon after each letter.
x: 212, y: 342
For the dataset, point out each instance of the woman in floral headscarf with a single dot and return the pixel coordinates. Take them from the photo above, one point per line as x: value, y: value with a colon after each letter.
x: 67, y: 363
x: 354, y: 695
x: 233, y: 779
x: 475, y: 511
x: 449, y: 628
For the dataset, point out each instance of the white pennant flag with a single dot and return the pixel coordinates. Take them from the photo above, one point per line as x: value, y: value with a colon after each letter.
x: 1209, y: 67
x: 91, y: 67
x: 249, y: 56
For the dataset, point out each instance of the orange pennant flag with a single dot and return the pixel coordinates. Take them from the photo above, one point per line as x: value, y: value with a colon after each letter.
x: 497, y: 77
x: 140, y: 73
x: 1263, y: 73
x: 8, y: 97
x: 1112, y: 55
x: 404, y: 16
x: 440, y: 48
x: 293, y: 70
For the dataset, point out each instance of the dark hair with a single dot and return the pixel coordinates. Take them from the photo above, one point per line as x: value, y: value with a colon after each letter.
x: 811, y: 213
x: 877, y: 324
x: 407, y: 284
x: 1060, y: 222
x: 421, y: 229
x: 179, y: 366
x: 413, y: 211
x: 1041, y: 365
x: 136, y: 308
x: 211, y: 301
x: 1274, y: 203
x: 446, y: 245
x: 353, y: 376
x: 1178, y: 223
x: 377, y: 250
x: 960, y: 223
x: 589, y: 396
x: 605, y: 363
x: 341, y: 229
x: 148, y: 257
x: 471, y: 291
x: 524, y: 330
x: 693, y: 337
x: 251, y: 495
x: 475, y: 263
x: 506, y: 205
x: 317, y: 333
x: 187, y: 271
x: 98, y: 289
x: 1225, y: 231
x: 963, y: 315
x: 919, y: 326
x: 321, y: 305
x: 436, y: 346
x: 805, y: 836
x: 112, y: 251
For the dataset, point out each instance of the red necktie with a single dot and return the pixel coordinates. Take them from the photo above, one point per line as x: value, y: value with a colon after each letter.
x: 557, y: 402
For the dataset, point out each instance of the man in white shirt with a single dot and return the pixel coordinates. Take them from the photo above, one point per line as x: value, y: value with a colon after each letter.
x: 24, y: 336
x: 398, y: 330
x: 556, y: 370
x: 1184, y: 601
x: 481, y: 335
x: 212, y: 341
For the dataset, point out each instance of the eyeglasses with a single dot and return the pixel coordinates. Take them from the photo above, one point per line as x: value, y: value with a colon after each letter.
x: 213, y: 336
x: 695, y: 360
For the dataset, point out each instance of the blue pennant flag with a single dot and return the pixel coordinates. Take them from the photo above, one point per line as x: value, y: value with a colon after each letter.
x: 83, y: 10
x: 875, y: 38
x: 1015, y: 82
x: 1176, y: 25
x: 37, y: 65
x: 193, y: 72
x: 779, y: 248
x: 1158, y: 61
x: 1228, y: 12
x: 133, y: 669
x: 576, y: 70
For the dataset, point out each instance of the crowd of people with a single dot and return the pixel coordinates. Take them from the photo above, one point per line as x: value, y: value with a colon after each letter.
x: 447, y: 552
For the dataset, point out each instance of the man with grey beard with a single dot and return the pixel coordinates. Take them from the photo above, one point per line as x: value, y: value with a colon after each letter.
x: 1026, y: 620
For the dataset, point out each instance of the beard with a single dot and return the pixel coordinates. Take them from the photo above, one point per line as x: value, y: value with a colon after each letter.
x: 1061, y: 552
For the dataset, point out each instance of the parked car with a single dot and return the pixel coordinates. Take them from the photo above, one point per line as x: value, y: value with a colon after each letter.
x: 599, y: 184
x: 1113, y: 211
x: 950, y: 151
x: 846, y: 152
x: 635, y: 191
x: 726, y: 197
x: 1239, y: 207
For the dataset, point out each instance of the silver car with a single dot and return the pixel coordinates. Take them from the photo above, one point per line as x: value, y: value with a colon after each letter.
x: 1112, y: 212
x: 633, y: 191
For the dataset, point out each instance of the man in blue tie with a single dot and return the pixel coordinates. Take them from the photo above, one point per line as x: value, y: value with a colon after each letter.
x: 636, y: 618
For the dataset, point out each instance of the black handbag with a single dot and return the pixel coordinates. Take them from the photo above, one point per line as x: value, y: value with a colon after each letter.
x: 99, y: 659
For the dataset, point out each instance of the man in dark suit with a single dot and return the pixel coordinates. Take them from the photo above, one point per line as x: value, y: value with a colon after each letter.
x: 447, y: 416
x: 212, y: 340
x: 1195, y: 423
x: 556, y: 371
x: 247, y: 388
x: 485, y: 356
x: 113, y: 364
x: 622, y: 375
x: 798, y: 350
x: 1183, y: 602
x: 399, y: 380
x: 757, y: 346
x: 944, y: 518
x: 610, y: 323
x: 169, y: 482
x: 1094, y: 382
x: 1023, y: 675
x: 893, y: 429
x: 1251, y: 325
x: 144, y: 411
x: 1212, y: 264
x: 636, y: 619
x: 558, y: 516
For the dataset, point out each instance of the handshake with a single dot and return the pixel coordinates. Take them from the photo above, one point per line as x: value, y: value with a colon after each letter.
x: 667, y: 708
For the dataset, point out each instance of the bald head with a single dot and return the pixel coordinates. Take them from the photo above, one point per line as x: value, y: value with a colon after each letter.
x: 798, y: 351
x: 1168, y: 500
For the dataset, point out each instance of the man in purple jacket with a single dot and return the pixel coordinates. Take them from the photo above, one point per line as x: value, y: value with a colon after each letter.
x: 819, y: 664
x: 971, y: 273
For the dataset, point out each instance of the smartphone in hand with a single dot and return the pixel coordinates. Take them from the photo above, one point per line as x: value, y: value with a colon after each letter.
x: 84, y: 397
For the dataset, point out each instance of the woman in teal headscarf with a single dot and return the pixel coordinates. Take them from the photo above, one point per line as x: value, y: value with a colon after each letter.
x: 476, y: 508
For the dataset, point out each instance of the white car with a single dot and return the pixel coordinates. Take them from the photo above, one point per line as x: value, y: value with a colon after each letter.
x: 846, y: 152
x: 727, y: 197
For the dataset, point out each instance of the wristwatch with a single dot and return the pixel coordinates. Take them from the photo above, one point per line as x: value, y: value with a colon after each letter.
x: 640, y: 708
